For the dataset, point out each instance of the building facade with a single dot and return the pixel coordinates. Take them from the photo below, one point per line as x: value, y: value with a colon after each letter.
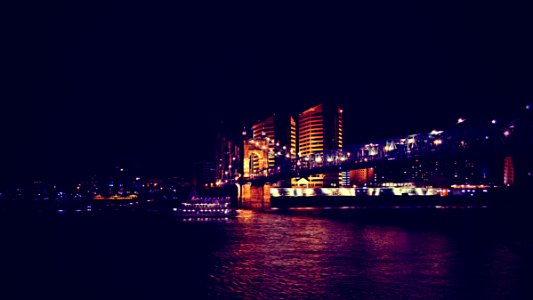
x: 279, y: 133
x: 320, y: 130
x: 227, y: 158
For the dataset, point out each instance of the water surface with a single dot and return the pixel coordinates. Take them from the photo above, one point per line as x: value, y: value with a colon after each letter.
x: 291, y: 255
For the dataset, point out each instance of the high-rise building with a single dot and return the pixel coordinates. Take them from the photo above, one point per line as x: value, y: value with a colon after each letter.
x: 279, y: 131
x: 227, y: 157
x: 320, y: 130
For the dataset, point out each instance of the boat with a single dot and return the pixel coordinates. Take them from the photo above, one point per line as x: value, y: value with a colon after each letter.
x: 217, y: 207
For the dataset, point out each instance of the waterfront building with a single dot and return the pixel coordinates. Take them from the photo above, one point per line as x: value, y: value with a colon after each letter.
x: 362, y: 177
x: 227, y: 157
x: 319, y: 131
x: 279, y: 133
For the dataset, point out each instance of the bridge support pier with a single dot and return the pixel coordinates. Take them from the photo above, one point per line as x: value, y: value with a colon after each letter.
x: 255, y: 197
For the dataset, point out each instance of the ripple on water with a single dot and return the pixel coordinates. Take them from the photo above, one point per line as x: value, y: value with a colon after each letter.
x: 306, y: 256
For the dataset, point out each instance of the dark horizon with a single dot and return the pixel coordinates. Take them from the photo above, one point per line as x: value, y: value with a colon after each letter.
x: 96, y: 85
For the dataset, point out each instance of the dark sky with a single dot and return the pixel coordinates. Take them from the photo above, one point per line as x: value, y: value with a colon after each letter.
x: 94, y: 84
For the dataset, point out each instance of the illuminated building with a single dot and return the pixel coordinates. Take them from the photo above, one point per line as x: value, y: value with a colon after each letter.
x: 227, y: 157
x: 362, y: 177
x: 279, y: 133
x: 431, y: 173
x: 320, y: 130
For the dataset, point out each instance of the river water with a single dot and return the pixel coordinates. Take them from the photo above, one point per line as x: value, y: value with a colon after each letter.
x: 283, y: 255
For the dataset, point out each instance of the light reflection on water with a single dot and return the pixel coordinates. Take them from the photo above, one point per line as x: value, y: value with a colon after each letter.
x: 301, y: 256
x: 295, y: 255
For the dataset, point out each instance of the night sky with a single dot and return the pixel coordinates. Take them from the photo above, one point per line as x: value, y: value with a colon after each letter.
x: 92, y: 85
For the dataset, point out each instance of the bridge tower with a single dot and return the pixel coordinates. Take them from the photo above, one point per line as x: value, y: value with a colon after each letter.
x: 255, y: 157
x: 255, y: 162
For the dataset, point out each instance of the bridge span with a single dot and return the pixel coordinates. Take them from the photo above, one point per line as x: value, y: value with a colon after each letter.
x: 493, y: 154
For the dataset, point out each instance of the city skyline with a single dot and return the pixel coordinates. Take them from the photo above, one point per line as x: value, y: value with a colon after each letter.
x: 92, y: 86
x: 196, y: 150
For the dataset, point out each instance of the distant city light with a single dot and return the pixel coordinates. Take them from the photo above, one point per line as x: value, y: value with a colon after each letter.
x: 437, y: 142
x: 121, y: 170
x: 528, y: 106
x: 460, y: 120
x: 493, y: 121
x: 506, y: 133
